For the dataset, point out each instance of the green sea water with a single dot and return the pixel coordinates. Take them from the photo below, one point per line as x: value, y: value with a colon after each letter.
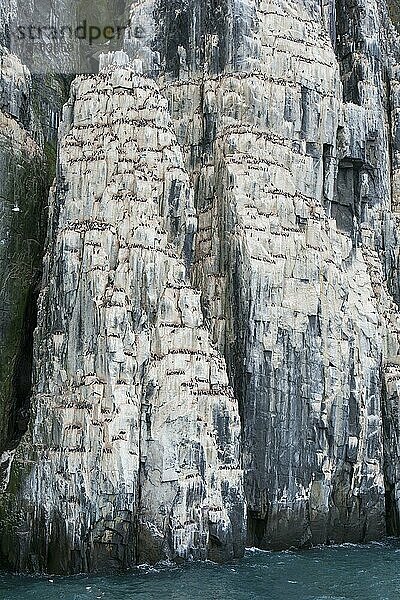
x: 336, y: 573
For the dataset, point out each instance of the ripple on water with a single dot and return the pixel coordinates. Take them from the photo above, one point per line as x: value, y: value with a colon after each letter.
x: 336, y: 573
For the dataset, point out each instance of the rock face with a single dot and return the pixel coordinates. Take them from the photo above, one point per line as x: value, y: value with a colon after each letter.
x: 29, y: 110
x: 218, y: 320
x: 284, y: 114
x: 23, y: 174
x: 29, y: 107
x: 135, y: 438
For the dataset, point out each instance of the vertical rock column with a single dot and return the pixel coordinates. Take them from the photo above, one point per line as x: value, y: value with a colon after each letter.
x: 284, y: 168
x: 133, y: 449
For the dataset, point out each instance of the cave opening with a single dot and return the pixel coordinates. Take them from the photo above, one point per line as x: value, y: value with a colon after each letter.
x: 256, y: 528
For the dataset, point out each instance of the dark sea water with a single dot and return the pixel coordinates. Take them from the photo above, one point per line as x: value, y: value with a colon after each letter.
x: 337, y: 573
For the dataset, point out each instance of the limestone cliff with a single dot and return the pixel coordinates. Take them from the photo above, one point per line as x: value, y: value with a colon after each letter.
x: 218, y: 324
x: 284, y: 112
x: 135, y: 436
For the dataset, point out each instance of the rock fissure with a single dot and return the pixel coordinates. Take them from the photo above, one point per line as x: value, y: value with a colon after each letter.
x: 215, y: 359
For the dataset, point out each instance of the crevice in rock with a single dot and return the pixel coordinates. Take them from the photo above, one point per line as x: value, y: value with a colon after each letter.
x: 345, y: 204
x: 185, y: 32
x: 351, y: 193
x: 348, y: 44
x: 23, y: 369
x: 391, y: 266
x: 390, y: 413
x: 329, y: 163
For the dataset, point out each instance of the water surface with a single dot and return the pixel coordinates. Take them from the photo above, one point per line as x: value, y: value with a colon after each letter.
x: 337, y: 573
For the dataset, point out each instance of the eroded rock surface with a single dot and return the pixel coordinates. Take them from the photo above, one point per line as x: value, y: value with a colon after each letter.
x: 284, y: 111
x: 22, y: 194
x: 135, y: 434
x: 220, y: 290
